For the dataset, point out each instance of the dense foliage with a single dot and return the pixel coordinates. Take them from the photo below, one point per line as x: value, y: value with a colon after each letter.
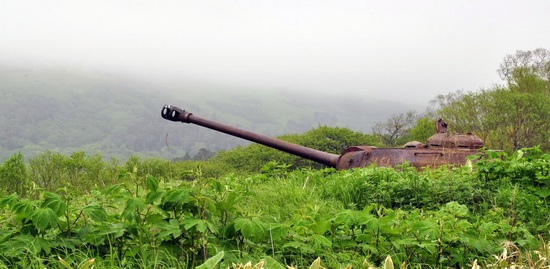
x: 139, y: 214
x: 509, y: 116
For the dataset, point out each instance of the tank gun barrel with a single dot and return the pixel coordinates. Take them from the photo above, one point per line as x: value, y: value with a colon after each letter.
x: 173, y: 113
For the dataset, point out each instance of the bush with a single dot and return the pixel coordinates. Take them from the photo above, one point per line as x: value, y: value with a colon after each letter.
x: 13, y: 175
x: 328, y: 139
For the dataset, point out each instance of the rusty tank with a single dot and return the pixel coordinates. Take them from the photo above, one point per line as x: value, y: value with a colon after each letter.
x: 441, y: 149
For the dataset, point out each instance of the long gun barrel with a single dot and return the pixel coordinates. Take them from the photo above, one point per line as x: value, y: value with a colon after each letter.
x: 173, y: 113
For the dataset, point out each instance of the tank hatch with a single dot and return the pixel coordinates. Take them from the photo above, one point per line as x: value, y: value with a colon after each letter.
x: 442, y: 139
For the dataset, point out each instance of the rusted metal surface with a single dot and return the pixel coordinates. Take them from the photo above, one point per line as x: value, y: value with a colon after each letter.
x: 441, y: 126
x: 361, y: 156
x: 442, y: 148
x: 418, y: 158
x: 461, y: 141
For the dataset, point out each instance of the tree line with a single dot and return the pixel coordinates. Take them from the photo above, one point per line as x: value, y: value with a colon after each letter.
x: 510, y: 116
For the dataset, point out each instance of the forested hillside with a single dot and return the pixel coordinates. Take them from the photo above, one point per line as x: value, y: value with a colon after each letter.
x: 66, y: 111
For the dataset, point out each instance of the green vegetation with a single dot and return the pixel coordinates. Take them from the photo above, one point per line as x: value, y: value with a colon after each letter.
x: 506, y: 117
x: 60, y: 211
x: 509, y: 116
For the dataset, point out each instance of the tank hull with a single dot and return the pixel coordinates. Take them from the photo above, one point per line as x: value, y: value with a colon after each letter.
x: 362, y: 156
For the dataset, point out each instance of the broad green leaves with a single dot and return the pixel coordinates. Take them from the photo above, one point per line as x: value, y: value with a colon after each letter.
x: 54, y: 202
x: 252, y: 229
x: 168, y: 228
x: 44, y: 218
x: 212, y: 262
x: 442, y: 217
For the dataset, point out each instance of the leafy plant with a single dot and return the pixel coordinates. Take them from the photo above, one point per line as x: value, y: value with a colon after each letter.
x: 447, y: 217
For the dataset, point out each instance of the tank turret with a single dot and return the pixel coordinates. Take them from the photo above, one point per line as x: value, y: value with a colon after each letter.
x: 442, y: 148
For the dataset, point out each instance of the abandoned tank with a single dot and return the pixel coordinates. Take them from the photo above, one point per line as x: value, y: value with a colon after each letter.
x: 441, y: 149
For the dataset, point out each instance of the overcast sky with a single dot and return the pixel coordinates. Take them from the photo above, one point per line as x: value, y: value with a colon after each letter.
x: 409, y: 51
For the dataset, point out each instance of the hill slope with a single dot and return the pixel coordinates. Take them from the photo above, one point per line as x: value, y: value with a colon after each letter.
x: 117, y: 116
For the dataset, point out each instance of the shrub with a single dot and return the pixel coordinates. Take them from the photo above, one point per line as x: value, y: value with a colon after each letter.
x: 328, y: 139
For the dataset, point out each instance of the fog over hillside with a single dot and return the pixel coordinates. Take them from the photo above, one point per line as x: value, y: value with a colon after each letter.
x: 118, y: 116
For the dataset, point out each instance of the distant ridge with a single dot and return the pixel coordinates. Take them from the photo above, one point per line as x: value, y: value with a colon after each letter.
x: 118, y: 116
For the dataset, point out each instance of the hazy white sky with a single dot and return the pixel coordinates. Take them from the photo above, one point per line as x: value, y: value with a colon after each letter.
x: 406, y: 50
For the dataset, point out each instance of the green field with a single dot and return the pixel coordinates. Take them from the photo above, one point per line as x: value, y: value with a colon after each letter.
x: 62, y: 211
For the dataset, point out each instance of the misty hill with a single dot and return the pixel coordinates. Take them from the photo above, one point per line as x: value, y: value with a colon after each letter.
x: 118, y: 116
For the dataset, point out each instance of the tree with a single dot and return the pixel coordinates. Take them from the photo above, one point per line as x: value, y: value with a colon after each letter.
x: 203, y: 154
x: 13, y: 175
x: 423, y: 128
x: 536, y: 62
x: 524, y: 80
x: 508, y: 116
x: 395, y: 130
x: 465, y: 112
x: 521, y: 119
x: 83, y: 169
x: 48, y: 170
